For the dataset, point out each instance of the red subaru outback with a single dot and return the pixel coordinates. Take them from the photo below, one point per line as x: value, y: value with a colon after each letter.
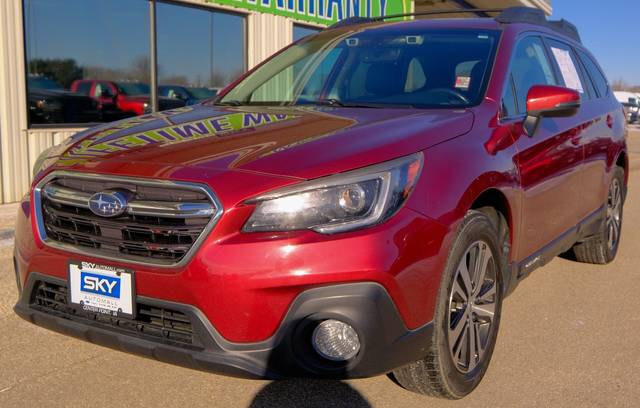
x: 359, y: 204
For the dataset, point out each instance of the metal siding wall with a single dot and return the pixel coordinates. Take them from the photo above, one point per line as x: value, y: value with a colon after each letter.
x: 13, y: 145
x: 40, y: 139
x: 266, y: 34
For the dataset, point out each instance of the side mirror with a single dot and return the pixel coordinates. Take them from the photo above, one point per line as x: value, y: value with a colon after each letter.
x: 549, y: 101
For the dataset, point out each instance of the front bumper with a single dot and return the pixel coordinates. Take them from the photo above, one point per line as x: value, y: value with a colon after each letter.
x: 386, y: 343
x: 245, y: 283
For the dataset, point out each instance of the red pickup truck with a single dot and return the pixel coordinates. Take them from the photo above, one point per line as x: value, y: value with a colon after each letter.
x: 121, y: 99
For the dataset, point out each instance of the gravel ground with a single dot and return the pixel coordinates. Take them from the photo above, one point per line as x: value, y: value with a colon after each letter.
x: 570, y: 336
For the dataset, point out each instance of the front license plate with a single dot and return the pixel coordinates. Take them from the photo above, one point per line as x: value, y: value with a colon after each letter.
x: 102, y: 289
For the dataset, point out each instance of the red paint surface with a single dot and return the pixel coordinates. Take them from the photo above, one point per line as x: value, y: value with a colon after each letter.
x: 244, y: 283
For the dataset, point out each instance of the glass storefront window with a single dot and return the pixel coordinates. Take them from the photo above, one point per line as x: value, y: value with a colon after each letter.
x: 200, y: 51
x: 88, y: 61
x: 73, y: 47
x: 301, y: 31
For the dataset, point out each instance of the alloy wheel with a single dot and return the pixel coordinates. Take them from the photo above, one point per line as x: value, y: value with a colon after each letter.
x: 614, y: 214
x: 472, y: 306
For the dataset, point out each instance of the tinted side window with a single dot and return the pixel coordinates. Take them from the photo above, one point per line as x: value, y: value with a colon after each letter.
x: 84, y: 88
x: 588, y: 82
x: 599, y: 79
x: 568, y: 66
x: 530, y: 67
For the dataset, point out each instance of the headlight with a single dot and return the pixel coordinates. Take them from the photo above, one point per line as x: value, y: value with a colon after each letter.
x: 338, y: 203
x: 50, y: 105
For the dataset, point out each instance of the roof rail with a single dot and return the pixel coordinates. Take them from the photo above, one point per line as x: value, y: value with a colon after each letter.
x: 536, y: 16
x: 566, y: 28
x: 508, y: 15
x: 363, y: 20
x: 351, y: 21
x: 522, y: 15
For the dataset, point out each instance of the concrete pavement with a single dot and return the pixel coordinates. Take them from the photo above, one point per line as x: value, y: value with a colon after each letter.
x: 570, y: 336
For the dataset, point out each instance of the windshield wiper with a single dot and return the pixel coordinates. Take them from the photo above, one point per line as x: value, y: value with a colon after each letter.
x: 337, y: 102
x: 329, y: 102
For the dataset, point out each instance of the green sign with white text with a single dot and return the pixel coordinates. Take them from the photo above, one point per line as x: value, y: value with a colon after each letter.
x: 323, y: 12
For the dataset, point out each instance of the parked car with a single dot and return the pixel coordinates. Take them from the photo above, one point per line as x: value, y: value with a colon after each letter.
x: 49, y: 102
x: 631, y: 104
x: 121, y: 99
x: 190, y: 95
x: 373, y: 227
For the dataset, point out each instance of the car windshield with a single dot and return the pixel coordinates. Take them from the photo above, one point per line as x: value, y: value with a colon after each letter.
x: 133, y: 88
x: 389, y: 66
x: 201, y: 93
x: 43, y: 83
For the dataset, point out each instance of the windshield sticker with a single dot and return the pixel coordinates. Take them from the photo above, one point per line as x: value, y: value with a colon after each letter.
x: 568, y: 69
x: 101, y: 145
x: 463, y: 82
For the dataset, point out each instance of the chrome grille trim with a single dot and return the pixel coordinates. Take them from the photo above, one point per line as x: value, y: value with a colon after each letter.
x: 162, y: 209
x: 67, y: 196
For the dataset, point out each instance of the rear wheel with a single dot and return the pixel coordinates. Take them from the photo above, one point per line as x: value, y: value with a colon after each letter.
x: 603, y: 247
x: 467, y: 315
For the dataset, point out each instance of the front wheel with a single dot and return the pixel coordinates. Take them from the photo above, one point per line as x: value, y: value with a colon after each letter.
x: 467, y: 315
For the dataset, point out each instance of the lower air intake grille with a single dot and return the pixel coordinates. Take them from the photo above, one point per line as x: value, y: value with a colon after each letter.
x: 157, y: 323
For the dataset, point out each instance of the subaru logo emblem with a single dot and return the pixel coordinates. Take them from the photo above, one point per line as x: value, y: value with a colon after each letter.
x: 110, y: 203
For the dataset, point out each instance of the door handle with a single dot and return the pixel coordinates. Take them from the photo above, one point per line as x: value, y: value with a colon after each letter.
x: 610, y: 121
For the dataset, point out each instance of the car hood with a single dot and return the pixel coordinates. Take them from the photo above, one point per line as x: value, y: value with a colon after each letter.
x: 300, y: 142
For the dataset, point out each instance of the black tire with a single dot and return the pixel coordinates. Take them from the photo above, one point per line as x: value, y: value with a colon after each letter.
x: 439, y: 373
x: 601, y: 248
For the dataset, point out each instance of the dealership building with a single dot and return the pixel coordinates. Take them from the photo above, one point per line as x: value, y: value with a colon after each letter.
x: 66, y: 65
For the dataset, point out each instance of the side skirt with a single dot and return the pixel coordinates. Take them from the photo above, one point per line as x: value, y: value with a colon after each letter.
x: 585, y: 229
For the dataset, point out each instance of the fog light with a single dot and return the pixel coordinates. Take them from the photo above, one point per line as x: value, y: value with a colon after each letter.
x: 335, y: 340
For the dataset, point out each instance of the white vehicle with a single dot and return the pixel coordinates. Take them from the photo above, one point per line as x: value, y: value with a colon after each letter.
x: 631, y: 103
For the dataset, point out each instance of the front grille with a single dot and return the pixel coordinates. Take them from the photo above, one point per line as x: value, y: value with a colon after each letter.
x: 157, y: 323
x: 162, y: 223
